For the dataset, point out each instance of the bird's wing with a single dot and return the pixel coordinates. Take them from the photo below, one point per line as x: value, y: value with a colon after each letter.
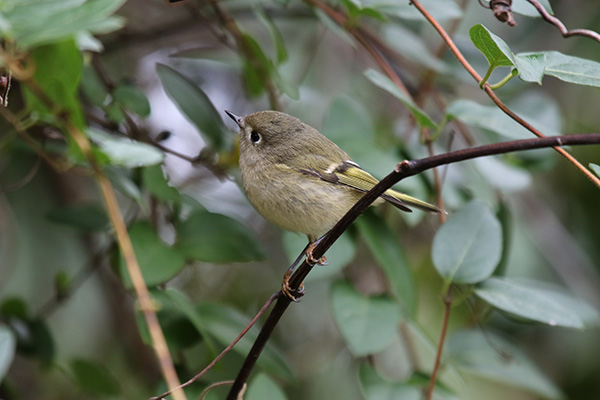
x: 351, y: 174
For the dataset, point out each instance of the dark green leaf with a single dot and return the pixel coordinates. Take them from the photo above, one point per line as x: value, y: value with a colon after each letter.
x: 209, y: 237
x: 92, y: 87
x: 530, y: 301
x: 389, y: 255
x: 158, y: 261
x: 124, y: 152
x: 133, y: 99
x: 374, y: 387
x: 88, y: 217
x: 195, y: 105
x: 14, y: 307
x: 94, y: 378
x: 386, y: 84
x: 262, y: 387
x: 493, y: 48
x: 338, y: 256
x: 7, y: 350
x: 155, y: 182
x: 467, y: 248
x: 488, y: 356
x: 368, y: 324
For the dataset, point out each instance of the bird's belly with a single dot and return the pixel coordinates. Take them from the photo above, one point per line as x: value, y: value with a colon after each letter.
x: 312, y: 206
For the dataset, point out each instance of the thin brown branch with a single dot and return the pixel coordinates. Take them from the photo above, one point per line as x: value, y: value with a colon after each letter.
x: 440, y: 348
x: 561, y: 27
x: 493, y: 96
x: 403, y: 170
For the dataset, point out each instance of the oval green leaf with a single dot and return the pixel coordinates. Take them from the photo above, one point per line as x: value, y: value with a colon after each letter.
x: 368, y: 324
x: 495, y: 50
x: 467, y: 248
x: 125, y: 152
x: 195, y: 105
x: 530, y: 301
x: 391, y: 259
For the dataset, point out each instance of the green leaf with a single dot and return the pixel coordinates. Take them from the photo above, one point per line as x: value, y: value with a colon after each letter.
x: 195, y: 105
x: 7, y: 350
x: 386, y: 84
x: 155, y: 182
x: 524, y: 7
x: 158, y: 261
x: 334, y: 27
x: 572, y: 69
x: 276, y: 35
x: 125, y: 152
x: 209, y: 237
x: 94, y: 378
x: 495, y: 50
x: 487, y: 355
x: 368, y: 324
x: 493, y: 119
x: 262, y: 387
x: 33, y: 23
x: 92, y: 87
x: 87, y: 217
x: 391, y: 259
x: 58, y: 79
x: 595, y: 168
x: 224, y: 324
x: 374, y: 387
x: 338, y: 256
x: 413, y: 46
x: 132, y: 99
x: 530, y: 302
x: 531, y: 66
x: 467, y: 248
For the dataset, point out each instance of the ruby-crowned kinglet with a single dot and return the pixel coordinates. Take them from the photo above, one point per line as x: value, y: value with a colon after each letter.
x: 298, y: 179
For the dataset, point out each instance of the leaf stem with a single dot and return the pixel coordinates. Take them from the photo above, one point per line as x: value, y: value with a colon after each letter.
x: 487, y: 75
x: 504, y: 80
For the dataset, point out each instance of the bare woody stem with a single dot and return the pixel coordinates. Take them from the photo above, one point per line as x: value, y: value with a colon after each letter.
x: 403, y: 170
x: 561, y: 27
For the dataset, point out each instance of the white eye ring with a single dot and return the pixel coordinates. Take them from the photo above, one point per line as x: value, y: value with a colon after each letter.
x: 255, y: 137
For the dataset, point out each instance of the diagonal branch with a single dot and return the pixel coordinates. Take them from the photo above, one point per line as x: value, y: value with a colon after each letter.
x: 403, y: 170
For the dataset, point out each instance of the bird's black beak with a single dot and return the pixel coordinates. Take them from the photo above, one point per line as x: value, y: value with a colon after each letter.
x: 238, y: 120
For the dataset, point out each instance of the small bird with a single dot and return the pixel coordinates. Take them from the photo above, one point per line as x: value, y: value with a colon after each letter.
x: 301, y: 181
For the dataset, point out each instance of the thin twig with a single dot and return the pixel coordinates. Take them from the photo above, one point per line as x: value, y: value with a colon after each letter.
x: 403, y: 170
x: 561, y: 27
x: 443, y: 334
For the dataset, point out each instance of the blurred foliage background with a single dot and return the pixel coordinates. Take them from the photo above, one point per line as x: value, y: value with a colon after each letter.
x: 148, y: 81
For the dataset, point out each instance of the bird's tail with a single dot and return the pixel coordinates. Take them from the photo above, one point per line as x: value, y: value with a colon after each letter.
x: 404, y: 201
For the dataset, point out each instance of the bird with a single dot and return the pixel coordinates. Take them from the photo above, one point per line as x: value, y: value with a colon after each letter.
x: 301, y: 181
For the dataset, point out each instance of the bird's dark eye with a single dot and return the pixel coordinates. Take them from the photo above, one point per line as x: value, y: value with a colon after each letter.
x: 254, y: 137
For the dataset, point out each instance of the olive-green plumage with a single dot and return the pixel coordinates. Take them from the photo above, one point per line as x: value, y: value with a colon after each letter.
x: 298, y: 179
